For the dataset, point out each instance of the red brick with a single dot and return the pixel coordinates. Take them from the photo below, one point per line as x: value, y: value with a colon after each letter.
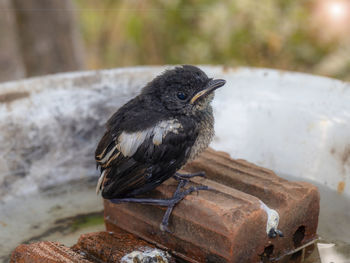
x: 46, y: 252
x: 92, y: 247
x: 228, y: 224
x: 110, y: 246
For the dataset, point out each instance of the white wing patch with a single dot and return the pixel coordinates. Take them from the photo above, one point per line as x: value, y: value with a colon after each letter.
x: 108, y: 155
x: 163, y: 128
x: 128, y: 143
x: 100, y: 180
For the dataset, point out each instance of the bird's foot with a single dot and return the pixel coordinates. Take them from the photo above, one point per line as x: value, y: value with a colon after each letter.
x: 275, y: 232
x: 177, y: 197
x: 169, y: 203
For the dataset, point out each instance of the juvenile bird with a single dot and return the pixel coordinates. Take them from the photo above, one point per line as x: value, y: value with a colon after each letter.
x: 156, y: 133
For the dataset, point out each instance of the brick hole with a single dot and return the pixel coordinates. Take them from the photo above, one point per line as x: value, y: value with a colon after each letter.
x: 267, y: 254
x: 296, y: 257
x: 299, y: 236
x: 297, y: 239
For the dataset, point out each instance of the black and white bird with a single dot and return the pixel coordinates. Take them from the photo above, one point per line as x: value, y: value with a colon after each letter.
x: 155, y: 134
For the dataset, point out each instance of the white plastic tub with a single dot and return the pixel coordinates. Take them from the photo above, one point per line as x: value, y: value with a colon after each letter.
x: 295, y: 124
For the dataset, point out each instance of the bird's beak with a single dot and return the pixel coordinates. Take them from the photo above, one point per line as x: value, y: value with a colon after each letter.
x: 211, y: 86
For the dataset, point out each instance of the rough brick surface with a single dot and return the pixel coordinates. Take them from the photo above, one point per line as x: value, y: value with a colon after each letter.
x: 228, y: 224
x: 46, y: 252
x: 110, y: 246
x: 93, y: 247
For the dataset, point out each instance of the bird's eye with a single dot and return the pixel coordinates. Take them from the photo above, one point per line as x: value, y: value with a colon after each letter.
x: 181, y: 95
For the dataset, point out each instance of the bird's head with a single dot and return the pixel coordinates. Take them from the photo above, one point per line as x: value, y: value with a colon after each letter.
x: 184, y: 90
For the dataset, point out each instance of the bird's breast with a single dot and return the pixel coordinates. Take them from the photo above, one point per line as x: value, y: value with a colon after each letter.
x: 205, y: 124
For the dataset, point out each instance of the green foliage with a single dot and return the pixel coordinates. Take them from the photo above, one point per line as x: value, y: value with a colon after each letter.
x: 265, y: 33
x: 87, y: 221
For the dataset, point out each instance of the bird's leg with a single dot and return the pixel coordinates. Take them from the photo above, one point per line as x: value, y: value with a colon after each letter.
x: 145, y: 201
x: 177, y: 197
x: 165, y: 220
x: 180, y: 176
x: 170, y: 203
x: 183, y: 180
x: 161, y: 202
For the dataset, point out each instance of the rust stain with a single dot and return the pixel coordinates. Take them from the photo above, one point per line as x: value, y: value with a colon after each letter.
x: 346, y: 155
x: 341, y: 187
x: 3, y: 223
x: 281, y: 72
x: 343, y: 158
x: 89, y: 80
x: 12, y: 96
x: 227, y: 69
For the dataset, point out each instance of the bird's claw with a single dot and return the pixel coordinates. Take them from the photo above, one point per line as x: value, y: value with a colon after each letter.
x: 180, y: 176
x: 197, y: 189
x: 177, y: 197
x: 273, y: 233
x: 164, y: 228
x: 201, y: 174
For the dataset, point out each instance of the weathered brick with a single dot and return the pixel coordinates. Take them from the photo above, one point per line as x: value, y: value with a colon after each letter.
x: 93, y: 247
x: 46, y: 252
x: 110, y: 246
x: 227, y: 224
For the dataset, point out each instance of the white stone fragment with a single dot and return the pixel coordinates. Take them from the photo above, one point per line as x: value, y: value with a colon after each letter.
x: 147, y: 255
x: 273, y: 217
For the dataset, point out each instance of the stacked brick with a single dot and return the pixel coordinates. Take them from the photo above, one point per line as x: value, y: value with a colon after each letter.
x: 225, y: 224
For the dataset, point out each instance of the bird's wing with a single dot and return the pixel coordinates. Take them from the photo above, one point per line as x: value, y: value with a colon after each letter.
x: 135, y: 162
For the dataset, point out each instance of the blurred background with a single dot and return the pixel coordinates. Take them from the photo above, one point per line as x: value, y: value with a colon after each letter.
x: 40, y: 37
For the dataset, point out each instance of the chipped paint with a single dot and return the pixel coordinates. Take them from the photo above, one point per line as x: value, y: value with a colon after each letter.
x: 12, y: 96
x: 346, y: 156
x: 341, y: 187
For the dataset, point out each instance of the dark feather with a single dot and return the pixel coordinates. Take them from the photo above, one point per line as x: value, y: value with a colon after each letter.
x: 148, y: 167
x: 131, y: 161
